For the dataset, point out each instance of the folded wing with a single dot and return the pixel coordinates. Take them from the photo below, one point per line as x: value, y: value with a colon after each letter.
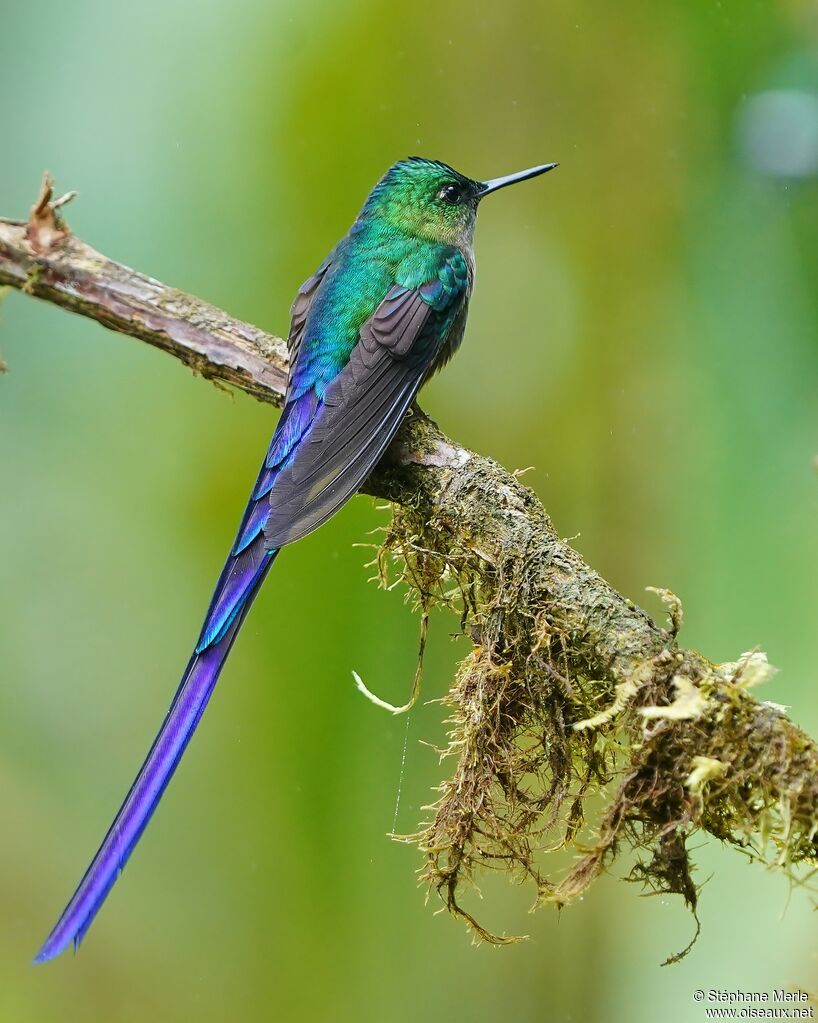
x: 362, y: 408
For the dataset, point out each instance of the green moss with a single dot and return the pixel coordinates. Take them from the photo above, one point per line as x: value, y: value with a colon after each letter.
x: 544, y: 731
x: 35, y: 273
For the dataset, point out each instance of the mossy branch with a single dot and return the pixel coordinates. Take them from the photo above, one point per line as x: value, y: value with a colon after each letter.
x: 570, y: 690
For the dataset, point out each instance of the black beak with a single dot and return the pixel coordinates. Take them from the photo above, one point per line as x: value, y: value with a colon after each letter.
x: 511, y: 179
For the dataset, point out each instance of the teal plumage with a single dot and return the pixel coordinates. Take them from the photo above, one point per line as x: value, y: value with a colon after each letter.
x: 384, y: 311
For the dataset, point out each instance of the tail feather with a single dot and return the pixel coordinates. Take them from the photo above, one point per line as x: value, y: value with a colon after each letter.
x: 249, y: 561
x: 240, y: 580
x: 181, y: 720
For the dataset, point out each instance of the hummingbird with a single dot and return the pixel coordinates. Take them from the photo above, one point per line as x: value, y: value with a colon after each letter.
x: 383, y: 312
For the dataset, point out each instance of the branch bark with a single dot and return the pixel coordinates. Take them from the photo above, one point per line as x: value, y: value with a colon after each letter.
x: 570, y: 688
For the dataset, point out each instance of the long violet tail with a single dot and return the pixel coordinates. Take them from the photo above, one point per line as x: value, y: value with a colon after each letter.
x: 238, y: 584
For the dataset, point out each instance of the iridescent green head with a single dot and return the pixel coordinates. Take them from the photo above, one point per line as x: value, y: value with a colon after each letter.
x: 428, y: 199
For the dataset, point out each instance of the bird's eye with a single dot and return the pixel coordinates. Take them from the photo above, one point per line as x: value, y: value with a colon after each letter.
x: 450, y: 194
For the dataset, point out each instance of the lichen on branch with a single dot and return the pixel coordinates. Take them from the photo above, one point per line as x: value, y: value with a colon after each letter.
x: 571, y: 698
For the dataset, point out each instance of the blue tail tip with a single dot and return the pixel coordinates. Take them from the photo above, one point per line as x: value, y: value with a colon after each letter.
x: 50, y: 950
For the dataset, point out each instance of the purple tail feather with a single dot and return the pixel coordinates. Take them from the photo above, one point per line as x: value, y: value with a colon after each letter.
x: 240, y: 580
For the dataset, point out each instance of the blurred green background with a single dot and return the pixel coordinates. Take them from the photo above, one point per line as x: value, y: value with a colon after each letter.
x: 643, y: 334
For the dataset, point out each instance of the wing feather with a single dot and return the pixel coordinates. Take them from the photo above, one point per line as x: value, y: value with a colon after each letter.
x: 301, y: 307
x: 360, y: 412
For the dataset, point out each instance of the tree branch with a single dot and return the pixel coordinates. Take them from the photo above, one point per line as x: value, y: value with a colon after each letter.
x: 570, y: 688
x: 42, y: 259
